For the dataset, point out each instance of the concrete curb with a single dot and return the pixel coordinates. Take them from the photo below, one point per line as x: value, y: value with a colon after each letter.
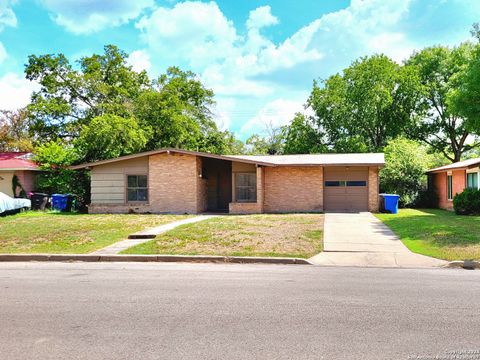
x: 465, y: 264
x: 153, y: 258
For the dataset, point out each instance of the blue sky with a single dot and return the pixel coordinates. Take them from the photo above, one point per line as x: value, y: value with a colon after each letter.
x: 259, y: 57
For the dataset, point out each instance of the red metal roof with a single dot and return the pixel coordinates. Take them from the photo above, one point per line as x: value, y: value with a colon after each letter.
x: 17, y: 161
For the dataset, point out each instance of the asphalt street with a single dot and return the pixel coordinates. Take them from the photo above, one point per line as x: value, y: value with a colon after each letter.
x: 216, y: 311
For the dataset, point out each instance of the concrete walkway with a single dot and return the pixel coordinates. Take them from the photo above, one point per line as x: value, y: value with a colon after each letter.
x: 360, y: 239
x: 147, y: 235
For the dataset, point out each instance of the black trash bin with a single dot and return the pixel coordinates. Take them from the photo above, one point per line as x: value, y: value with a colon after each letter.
x: 39, y: 201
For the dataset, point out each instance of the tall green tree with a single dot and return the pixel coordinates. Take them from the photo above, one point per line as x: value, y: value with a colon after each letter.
x: 171, y: 111
x: 14, y: 131
x: 367, y: 105
x: 406, y: 162
x: 439, y: 124
x: 55, y: 158
x: 70, y: 96
x: 177, y: 111
x: 109, y: 136
x: 464, y: 99
x: 302, y: 137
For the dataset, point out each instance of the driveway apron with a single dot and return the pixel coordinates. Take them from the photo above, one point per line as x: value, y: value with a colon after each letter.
x: 360, y: 239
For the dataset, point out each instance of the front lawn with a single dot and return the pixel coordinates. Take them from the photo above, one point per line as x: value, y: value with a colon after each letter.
x: 437, y: 233
x: 51, y: 232
x: 285, y: 235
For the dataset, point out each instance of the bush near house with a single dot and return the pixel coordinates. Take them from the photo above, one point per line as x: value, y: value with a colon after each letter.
x: 406, y: 162
x: 467, y: 202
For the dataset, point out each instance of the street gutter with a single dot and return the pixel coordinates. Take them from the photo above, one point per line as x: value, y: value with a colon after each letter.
x: 153, y: 258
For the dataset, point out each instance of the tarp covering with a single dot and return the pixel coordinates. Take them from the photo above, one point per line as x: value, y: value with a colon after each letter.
x: 8, y: 204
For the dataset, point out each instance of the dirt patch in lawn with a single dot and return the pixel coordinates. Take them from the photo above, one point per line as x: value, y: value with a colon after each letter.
x: 297, y: 235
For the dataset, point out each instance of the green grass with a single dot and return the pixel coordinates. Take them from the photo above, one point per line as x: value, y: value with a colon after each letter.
x: 438, y: 233
x: 282, y: 235
x: 52, y: 232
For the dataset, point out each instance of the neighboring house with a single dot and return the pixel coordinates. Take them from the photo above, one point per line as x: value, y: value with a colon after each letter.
x: 17, y: 164
x: 452, y: 179
x: 179, y: 181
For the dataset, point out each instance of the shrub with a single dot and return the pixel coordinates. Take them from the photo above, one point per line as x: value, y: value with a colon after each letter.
x: 467, y: 202
x: 426, y: 199
x: 406, y: 162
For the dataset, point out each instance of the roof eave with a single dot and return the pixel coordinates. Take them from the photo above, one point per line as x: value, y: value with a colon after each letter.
x: 163, y: 151
x: 20, y: 169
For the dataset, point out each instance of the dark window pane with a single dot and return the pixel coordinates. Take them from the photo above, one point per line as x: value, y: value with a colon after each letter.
x: 142, y: 181
x: 142, y: 195
x: 449, y: 187
x: 334, y: 183
x: 132, y: 195
x: 132, y: 181
x: 356, y: 183
x: 472, y: 180
x: 245, y: 187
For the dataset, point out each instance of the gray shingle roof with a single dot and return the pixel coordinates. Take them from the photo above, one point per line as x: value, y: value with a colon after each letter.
x: 317, y: 159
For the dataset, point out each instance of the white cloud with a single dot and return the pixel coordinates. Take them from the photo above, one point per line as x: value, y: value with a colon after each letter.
x: 7, y: 16
x: 195, y: 32
x: 276, y: 113
x: 139, y: 60
x: 261, y: 17
x: 200, y: 35
x: 15, y: 91
x: 89, y: 16
x: 3, y: 53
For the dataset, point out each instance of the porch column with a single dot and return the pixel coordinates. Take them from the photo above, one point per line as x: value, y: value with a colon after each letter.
x: 260, y: 187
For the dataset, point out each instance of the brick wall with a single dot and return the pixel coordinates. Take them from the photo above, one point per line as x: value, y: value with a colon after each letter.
x: 174, y: 180
x: 440, y: 185
x: 293, y: 189
x: 373, y: 189
x: 118, y: 209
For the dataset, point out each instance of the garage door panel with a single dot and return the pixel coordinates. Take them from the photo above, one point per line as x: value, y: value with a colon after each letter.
x: 346, y: 198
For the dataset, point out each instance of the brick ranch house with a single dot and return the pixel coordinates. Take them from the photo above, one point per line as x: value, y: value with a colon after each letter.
x: 452, y: 179
x: 17, y: 164
x: 179, y: 181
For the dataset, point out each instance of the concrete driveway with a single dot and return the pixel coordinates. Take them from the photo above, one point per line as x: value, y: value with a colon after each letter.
x: 360, y: 239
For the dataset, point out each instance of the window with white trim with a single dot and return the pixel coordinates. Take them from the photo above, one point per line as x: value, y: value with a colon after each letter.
x: 449, y: 187
x: 245, y: 187
x: 137, y: 188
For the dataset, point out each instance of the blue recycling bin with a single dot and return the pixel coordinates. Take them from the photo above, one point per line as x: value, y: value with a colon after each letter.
x: 60, y: 202
x: 390, y: 202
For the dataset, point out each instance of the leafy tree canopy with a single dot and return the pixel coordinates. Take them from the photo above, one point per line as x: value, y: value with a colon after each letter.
x: 367, y: 105
x: 170, y: 111
x: 110, y: 136
x: 301, y: 137
x: 14, y: 131
x: 438, y: 123
x: 404, y: 172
